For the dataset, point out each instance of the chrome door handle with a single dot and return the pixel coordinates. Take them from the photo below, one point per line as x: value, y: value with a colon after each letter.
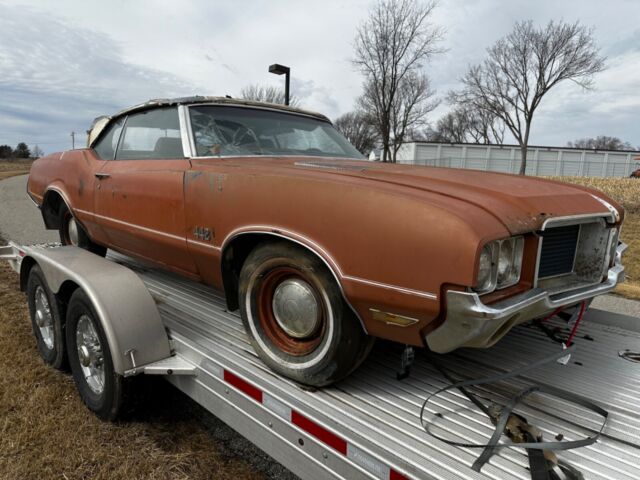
x: 101, y: 176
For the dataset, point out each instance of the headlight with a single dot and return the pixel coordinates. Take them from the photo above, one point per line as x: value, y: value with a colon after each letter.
x: 500, y: 264
x: 510, y: 261
x: 486, y: 269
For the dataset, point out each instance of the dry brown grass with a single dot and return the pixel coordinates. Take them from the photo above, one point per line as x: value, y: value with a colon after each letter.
x: 11, y: 168
x: 627, y: 192
x: 46, y: 432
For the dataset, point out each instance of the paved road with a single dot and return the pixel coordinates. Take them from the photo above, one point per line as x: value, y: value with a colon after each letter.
x: 21, y: 222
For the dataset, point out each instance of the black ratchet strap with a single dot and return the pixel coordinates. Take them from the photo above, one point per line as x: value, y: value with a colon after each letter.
x: 492, y: 445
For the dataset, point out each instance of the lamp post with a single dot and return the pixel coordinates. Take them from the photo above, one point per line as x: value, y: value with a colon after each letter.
x: 279, y: 70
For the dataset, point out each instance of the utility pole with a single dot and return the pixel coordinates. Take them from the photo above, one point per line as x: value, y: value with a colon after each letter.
x: 73, y: 140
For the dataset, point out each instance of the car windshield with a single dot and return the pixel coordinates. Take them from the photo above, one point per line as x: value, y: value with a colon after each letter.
x: 229, y: 131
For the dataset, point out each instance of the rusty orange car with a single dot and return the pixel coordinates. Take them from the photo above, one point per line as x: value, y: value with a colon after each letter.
x: 319, y: 249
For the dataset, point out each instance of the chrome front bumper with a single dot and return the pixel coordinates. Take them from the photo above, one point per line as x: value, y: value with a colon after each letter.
x: 471, y: 323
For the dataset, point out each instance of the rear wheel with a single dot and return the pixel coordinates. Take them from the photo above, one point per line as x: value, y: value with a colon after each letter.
x: 45, y: 320
x: 72, y: 233
x: 101, y: 389
x: 296, y: 316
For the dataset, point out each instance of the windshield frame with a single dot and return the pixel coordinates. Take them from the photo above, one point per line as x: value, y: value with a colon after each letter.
x: 188, y: 138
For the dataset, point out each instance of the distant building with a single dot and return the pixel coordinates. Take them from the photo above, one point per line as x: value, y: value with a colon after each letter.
x: 562, y: 161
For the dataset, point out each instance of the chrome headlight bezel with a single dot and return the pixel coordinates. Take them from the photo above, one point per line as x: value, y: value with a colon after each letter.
x: 505, y: 267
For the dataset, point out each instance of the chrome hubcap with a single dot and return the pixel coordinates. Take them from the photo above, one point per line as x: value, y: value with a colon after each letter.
x: 44, y: 319
x: 90, y: 354
x: 73, y: 232
x: 296, y: 308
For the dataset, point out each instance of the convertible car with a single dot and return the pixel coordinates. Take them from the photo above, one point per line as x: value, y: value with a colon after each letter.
x: 319, y: 249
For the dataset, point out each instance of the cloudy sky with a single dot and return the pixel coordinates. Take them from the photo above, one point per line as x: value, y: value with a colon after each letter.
x: 63, y: 63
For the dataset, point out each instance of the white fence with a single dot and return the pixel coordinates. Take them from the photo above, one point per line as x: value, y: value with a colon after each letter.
x: 506, y: 158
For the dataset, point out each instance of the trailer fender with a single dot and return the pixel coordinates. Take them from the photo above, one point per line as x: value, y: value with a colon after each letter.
x: 126, y: 309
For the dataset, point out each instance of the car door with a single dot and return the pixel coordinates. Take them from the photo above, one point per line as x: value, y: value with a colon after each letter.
x: 139, y: 195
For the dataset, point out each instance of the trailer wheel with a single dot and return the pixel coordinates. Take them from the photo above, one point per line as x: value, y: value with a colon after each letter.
x: 72, y: 233
x: 45, y: 320
x: 101, y: 389
x: 296, y: 317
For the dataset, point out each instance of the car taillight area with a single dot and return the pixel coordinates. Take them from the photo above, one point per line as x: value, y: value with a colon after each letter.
x: 574, y: 256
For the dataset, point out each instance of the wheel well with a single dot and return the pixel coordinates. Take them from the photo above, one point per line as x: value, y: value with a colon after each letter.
x: 233, y: 258
x: 236, y: 253
x: 51, y: 209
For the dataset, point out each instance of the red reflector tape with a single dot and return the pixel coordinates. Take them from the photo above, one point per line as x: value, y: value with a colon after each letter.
x: 319, y: 432
x: 243, y: 386
x: 21, y: 253
x: 393, y: 475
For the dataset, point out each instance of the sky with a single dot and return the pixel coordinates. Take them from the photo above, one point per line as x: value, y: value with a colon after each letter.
x: 66, y: 62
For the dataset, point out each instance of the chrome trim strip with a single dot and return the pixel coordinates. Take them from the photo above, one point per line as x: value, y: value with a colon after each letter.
x: 201, y: 244
x: 184, y: 131
x: 328, y: 259
x: 611, y: 208
x: 469, y: 322
x: 574, y: 219
x: 144, y: 229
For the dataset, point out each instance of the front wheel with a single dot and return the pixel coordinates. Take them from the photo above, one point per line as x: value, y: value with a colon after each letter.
x: 72, y: 233
x: 297, y: 319
x: 100, y: 388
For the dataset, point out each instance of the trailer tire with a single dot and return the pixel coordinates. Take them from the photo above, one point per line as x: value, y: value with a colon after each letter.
x: 100, y: 388
x: 72, y: 233
x: 296, y: 317
x: 46, y: 322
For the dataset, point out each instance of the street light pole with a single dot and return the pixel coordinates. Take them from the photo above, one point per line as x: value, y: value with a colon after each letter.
x: 279, y: 70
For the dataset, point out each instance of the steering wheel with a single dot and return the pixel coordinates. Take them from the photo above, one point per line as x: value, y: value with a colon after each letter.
x: 245, y: 132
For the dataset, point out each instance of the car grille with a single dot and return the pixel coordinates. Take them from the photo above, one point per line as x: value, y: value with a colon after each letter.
x: 573, y: 256
x: 558, y: 251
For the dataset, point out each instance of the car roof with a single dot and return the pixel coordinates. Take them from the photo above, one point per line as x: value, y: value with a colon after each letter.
x: 101, y: 122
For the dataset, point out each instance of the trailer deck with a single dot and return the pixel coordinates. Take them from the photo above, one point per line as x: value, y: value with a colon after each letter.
x: 368, y: 425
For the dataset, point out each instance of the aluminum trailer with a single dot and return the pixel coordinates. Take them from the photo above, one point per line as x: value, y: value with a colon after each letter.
x: 368, y: 425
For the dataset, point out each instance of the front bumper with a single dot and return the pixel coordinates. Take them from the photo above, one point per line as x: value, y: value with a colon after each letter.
x: 471, y: 323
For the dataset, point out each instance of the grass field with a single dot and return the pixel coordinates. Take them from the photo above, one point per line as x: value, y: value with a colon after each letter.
x: 627, y: 192
x: 46, y: 431
x: 11, y: 168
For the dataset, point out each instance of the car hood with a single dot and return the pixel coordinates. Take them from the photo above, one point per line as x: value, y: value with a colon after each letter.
x: 520, y: 203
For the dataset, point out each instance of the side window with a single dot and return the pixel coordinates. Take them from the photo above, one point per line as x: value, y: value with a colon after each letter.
x: 106, y: 146
x: 153, y: 134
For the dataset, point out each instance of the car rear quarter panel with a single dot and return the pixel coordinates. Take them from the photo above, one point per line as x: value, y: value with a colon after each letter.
x: 70, y: 174
x: 391, y: 252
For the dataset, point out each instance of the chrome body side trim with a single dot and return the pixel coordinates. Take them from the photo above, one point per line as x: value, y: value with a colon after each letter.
x: 324, y: 255
x: 471, y: 323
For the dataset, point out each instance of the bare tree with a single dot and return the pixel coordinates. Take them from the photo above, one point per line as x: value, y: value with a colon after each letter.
x: 415, y: 101
x: 467, y: 125
x: 36, y: 152
x: 601, y: 142
x: 268, y: 94
x: 358, y: 129
x: 523, y: 66
x: 390, y: 47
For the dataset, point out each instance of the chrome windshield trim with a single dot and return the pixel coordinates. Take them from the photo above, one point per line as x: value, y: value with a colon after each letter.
x: 185, y: 129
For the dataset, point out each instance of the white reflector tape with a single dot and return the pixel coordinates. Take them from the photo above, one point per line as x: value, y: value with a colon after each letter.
x: 277, y: 407
x: 214, y: 368
x: 366, y: 461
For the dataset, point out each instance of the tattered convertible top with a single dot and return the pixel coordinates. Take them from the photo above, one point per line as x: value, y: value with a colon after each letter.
x: 101, y: 122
